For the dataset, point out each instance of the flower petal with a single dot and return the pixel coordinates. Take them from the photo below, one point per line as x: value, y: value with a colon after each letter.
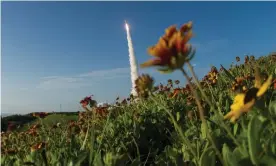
x: 152, y: 62
x: 238, y: 107
x: 233, y: 115
x: 265, y: 86
x: 160, y: 50
x: 229, y: 115
x: 184, y: 28
x: 170, y: 31
x: 151, y: 51
x: 187, y: 36
x: 173, y: 40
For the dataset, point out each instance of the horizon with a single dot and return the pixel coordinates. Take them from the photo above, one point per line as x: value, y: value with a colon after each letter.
x: 80, y: 48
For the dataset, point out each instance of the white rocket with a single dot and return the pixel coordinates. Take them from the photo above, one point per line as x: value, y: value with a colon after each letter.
x: 132, y: 61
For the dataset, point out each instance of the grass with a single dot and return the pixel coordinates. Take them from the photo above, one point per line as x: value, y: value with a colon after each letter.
x: 157, y: 130
x: 51, y: 120
x: 167, y: 125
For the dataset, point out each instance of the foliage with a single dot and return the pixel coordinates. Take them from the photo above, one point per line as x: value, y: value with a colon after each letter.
x: 173, y: 125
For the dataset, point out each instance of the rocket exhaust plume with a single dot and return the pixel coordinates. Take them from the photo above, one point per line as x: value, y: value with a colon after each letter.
x: 132, y: 61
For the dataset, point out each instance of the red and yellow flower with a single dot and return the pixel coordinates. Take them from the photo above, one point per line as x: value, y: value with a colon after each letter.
x: 172, y: 49
x: 38, y: 146
x: 88, y: 101
x: 144, y: 84
x: 176, y: 92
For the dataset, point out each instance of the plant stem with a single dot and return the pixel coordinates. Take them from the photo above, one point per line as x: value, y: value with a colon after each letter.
x: 198, y: 84
x: 201, y: 114
x: 85, y: 139
x: 228, y: 130
x: 186, y: 141
x: 220, y: 114
x: 204, y: 95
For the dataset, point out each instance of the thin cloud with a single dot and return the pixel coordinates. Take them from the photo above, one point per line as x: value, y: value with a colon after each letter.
x: 23, y: 89
x: 211, y: 46
x: 104, y: 73
x: 60, y: 82
x: 49, y: 77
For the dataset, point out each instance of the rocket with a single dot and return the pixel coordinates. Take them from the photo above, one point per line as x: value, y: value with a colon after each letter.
x: 126, y: 25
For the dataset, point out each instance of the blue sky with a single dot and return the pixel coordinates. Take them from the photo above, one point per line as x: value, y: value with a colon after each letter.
x: 59, y: 52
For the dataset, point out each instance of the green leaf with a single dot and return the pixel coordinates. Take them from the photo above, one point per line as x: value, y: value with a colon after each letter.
x: 229, y: 158
x: 241, y: 155
x: 272, y: 107
x: 236, y: 126
x: 177, y: 116
x: 71, y: 163
x: 227, y: 105
x: 98, y: 160
x: 228, y: 73
x: 29, y: 163
x: 208, y: 158
x: 120, y: 160
x: 268, y: 160
x: 255, y: 127
x: 272, y: 145
x: 3, y: 160
x: 165, y: 70
x: 245, y: 161
x: 186, y: 155
x: 220, y: 99
x: 136, y: 162
x: 80, y: 159
x: 203, y: 131
x: 240, y: 152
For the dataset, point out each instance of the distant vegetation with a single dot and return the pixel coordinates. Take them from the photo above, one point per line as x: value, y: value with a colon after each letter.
x: 18, y: 121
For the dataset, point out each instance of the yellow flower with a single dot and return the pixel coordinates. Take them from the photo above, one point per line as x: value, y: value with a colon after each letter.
x: 243, y: 102
x: 212, y: 76
x: 172, y: 49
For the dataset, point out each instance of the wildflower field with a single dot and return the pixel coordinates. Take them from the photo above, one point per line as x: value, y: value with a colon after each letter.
x: 227, y: 118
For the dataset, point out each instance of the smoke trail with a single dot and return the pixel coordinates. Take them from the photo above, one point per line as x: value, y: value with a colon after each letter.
x: 132, y: 61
